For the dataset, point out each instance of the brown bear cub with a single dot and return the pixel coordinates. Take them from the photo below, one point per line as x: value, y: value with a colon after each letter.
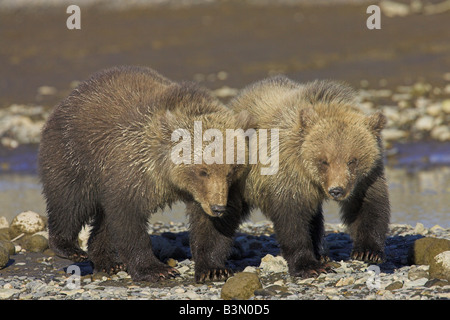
x: 106, y: 159
x: 328, y: 149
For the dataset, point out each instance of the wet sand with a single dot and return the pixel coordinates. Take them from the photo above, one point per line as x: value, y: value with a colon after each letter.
x: 246, y: 41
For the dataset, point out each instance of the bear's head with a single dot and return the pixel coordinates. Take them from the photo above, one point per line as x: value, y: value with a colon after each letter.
x: 201, y: 167
x: 208, y: 184
x: 340, y: 147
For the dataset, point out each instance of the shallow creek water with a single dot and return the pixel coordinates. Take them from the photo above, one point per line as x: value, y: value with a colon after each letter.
x: 418, y: 177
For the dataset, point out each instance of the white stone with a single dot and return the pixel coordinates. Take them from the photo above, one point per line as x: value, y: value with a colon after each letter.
x: 47, y: 90
x: 436, y: 228
x: 393, y: 134
x: 28, y: 222
x: 250, y: 269
x: 4, y: 223
x: 192, y: 295
x: 8, y: 286
x: 7, y: 293
x: 441, y: 133
x: 72, y: 292
x: 446, y: 103
x: 346, y: 281
x: 225, y: 92
x: 393, y: 9
x: 420, y: 229
x: 444, y: 259
x: 183, y: 269
x: 391, y: 114
x: 425, y: 123
x: 434, y: 109
x: 415, y: 283
x: 277, y: 264
x: 179, y: 290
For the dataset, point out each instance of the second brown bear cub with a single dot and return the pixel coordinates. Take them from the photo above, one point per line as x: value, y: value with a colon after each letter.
x: 106, y: 159
x: 327, y: 150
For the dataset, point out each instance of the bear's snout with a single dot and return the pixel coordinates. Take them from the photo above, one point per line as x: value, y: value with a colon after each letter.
x: 336, y: 192
x: 218, y: 210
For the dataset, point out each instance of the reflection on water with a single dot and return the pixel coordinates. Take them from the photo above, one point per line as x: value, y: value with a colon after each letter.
x: 422, y: 196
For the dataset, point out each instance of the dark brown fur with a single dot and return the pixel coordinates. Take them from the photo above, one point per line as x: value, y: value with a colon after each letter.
x: 105, y: 159
x: 328, y: 150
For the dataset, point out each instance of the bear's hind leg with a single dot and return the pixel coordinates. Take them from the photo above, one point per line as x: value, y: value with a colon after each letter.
x: 65, y: 220
x: 127, y: 226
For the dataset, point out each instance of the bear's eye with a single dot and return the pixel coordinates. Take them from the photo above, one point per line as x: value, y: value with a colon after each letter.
x: 324, y: 163
x: 352, y: 162
x: 203, y: 173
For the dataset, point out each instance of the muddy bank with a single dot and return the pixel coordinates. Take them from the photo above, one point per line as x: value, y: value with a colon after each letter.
x: 247, y: 42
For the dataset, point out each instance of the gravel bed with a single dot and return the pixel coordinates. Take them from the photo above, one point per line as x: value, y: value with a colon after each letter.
x: 42, y: 276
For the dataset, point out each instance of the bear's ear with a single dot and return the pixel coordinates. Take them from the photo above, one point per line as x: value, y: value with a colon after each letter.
x: 308, y: 116
x: 244, y: 120
x: 376, y: 122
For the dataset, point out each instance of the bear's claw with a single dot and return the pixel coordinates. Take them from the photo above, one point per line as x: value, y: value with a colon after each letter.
x: 368, y: 256
x: 155, y: 273
x: 171, y: 273
x: 115, y: 269
x: 313, y: 271
x: 310, y: 273
x: 78, y: 257
x: 213, y: 274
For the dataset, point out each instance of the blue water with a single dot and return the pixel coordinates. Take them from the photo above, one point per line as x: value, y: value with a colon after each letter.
x: 418, y: 178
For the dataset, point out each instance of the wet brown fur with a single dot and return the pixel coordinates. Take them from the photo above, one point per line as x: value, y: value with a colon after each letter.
x: 105, y: 159
x: 325, y: 143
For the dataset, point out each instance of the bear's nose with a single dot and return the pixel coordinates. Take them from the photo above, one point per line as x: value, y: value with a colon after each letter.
x: 218, y: 210
x: 336, y: 192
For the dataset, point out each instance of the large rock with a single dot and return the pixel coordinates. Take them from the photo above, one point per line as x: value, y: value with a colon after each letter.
x: 4, y: 234
x: 440, y: 266
x: 27, y: 222
x: 8, y: 245
x: 425, y: 249
x: 4, y: 256
x: 242, y: 286
x: 34, y: 243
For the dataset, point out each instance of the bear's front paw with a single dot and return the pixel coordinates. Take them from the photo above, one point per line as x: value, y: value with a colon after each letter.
x: 311, y: 270
x: 213, y: 274
x: 79, y: 256
x: 372, y: 256
x: 309, y: 273
x: 154, y: 273
x: 114, y: 268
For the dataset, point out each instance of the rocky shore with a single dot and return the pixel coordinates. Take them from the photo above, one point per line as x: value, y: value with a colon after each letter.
x: 417, y: 268
x: 415, y: 112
